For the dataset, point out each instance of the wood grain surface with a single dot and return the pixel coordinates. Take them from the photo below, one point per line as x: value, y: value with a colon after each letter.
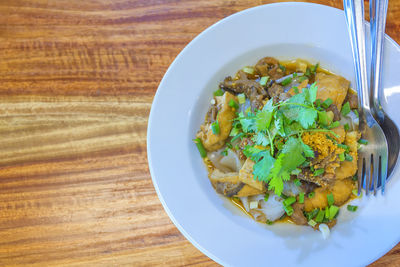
x: 77, y: 79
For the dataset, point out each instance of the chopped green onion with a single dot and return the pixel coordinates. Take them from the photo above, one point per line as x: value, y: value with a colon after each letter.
x: 308, y: 72
x: 363, y: 141
x: 219, y: 92
x: 312, y: 223
x: 301, y: 79
x: 345, y: 147
x: 311, y: 195
x: 289, y: 210
x: 348, y: 157
x: 327, y: 214
x: 330, y: 198
x: 319, y: 171
x: 346, y: 127
x: 270, y: 222
x: 241, y: 98
x: 327, y: 103
x: 334, y: 125
x: 295, y: 89
x: 263, y: 81
x: 286, y: 81
x: 341, y: 157
x: 345, y: 109
x: 314, y: 67
x: 266, y: 197
x: 240, y: 135
x: 301, y: 197
x: 333, y: 210
x: 232, y: 103
x: 352, y: 208
x: 356, y: 112
x: 355, y: 177
x: 224, y: 152
x: 248, y: 70
x: 289, y: 201
x: 331, y: 138
x: 355, y: 192
x: 310, y: 215
x: 283, y: 68
x: 320, y: 216
x: 305, y: 164
x: 215, y: 127
x: 284, y: 196
x: 323, y: 118
x: 200, y: 147
x: 297, y: 182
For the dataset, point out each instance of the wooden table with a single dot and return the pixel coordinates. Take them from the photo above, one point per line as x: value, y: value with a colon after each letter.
x: 77, y: 79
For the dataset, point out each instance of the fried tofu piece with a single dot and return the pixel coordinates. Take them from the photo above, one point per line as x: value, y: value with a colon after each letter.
x: 247, y: 190
x: 341, y: 191
x: 225, y: 116
x: 340, y: 132
x: 349, y: 168
x: 332, y: 86
x: 319, y: 201
x: 246, y: 175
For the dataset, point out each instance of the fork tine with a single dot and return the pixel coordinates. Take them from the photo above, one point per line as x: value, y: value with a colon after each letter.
x: 375, y: 169
x: 384, y: 169
x: 360, y: 174
x: 367, y: 174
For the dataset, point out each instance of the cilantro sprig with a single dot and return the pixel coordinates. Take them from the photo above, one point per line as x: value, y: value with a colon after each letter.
x: 276, y: 131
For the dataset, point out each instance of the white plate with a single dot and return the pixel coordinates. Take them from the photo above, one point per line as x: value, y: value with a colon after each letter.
x: 286, y: 31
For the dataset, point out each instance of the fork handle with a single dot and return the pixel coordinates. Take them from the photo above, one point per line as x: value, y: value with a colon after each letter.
x: 377, y: 12
x: 354, y: 12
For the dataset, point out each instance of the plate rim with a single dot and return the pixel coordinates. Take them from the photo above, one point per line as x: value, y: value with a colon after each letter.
x: 156, y: 100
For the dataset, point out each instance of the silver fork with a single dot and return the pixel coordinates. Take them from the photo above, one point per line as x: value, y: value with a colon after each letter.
x: 372, y: 160
x: 377, y: 11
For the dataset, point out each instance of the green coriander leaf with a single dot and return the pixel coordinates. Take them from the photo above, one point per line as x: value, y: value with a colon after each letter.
x: 247, y: 122
x: 292, y: 128
x: 308, y: 152
x: 263, y: 120
x: 312, y: 93
x: 293, y: 153
x: 262, y: 168
x: 253, y: 153
x: 276, y: 183
x: 307, y: 117
x: 279, y: 124
x: 261, y: 139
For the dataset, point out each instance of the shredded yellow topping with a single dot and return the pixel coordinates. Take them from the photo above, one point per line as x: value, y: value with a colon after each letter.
x: 326, y: 148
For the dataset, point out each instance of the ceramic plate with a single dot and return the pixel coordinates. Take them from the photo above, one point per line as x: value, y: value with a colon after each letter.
x: 285, y: 31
